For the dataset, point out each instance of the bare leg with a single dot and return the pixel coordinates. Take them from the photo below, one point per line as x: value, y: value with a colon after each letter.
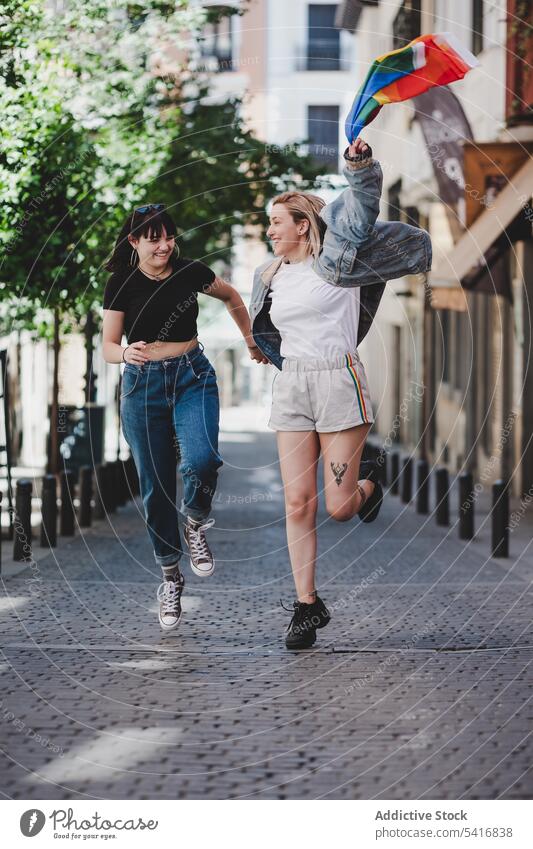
x: 342, y: 454
x: 298, y: 457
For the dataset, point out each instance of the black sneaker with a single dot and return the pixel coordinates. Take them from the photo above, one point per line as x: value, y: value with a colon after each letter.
x: 320, y: 615
x: 169, y: 597
x: 301, y: 633
x: 368, y: 470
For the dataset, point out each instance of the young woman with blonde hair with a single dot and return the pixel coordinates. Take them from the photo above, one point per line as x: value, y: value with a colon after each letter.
x: 310, y: 309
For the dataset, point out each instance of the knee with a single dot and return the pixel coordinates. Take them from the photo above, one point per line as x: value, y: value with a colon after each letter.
x: 341, y: 511
x: 201, y: 465
x: 300, y: 505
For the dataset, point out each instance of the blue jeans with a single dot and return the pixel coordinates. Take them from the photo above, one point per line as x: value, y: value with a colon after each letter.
x: 169, y: 410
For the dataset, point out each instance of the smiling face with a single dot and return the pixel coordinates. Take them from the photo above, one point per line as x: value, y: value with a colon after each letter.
x: 154, y: 251
x: 286, y: 236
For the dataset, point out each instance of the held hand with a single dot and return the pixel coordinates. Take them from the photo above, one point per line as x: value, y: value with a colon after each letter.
x: 257, y: 355
x: 358, y: 146
x: 135, y: 354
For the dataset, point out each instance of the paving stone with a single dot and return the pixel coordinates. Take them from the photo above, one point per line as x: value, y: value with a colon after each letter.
x: 421, y: 687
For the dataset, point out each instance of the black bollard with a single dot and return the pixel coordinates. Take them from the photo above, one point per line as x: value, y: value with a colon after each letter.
x: 382, y: 466
x: 110, y: 491
x: 66, y: 520
x: 99, y: 502
x: 395, y: 472
x: 422, y: 486
x: 22, y: 543
x: 121, y: 483
x: 500, y: 519
x: 86, y: 494
x: 466, y: 505
x: 407, y: 479
x: 442, y: 509
x: 124, y: 482
x: 49, y: 512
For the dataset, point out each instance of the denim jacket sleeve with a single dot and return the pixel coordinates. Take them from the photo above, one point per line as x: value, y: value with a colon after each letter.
x: 352, y: 215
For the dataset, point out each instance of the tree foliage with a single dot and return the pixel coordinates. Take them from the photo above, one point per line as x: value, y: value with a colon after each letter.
x: 96, y: 118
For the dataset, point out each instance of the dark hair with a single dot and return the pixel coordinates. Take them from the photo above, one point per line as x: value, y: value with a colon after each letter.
x: 150, y: 225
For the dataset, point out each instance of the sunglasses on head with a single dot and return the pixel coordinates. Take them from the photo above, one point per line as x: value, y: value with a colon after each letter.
x: 156, y: 207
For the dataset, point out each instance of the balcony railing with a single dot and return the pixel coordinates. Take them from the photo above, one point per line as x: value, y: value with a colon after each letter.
x: 215, y: 61
x: 321, y: 55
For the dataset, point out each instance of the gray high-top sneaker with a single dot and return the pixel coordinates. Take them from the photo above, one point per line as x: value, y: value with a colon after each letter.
x: 169, y: 597
x: 202, y: 560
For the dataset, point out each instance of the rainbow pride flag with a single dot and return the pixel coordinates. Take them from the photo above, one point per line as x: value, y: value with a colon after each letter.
x: 427, y: 61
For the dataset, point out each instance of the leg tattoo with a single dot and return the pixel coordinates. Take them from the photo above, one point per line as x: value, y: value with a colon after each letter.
x: 338, y: 470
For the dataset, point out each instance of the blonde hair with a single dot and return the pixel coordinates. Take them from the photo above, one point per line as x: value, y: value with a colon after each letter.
x: 305, y: 207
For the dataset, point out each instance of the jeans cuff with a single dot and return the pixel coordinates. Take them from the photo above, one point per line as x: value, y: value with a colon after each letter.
x: 167, y: 559
x: 198, y: 515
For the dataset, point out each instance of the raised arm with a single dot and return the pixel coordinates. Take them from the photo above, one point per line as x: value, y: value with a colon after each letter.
x: 352, y: 215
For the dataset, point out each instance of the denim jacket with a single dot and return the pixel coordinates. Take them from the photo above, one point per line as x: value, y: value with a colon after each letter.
x: 358, y: 250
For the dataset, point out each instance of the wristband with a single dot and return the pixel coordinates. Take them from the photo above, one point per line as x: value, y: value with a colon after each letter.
x: 359, y: 157
x: 123, y: 352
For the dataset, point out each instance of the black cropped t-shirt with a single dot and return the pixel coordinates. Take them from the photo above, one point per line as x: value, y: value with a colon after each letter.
x: 159, y: 310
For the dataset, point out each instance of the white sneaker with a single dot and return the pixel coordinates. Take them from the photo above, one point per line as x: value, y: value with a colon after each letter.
x: 169, y: 597
x: 202, y: 560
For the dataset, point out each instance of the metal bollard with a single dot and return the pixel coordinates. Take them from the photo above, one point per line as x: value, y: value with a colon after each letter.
x: 395, y: 472
x: 442, y: 509
x: 466, y: 505
x: 110, y: 496
x: 121, y: 483
x: 99, y: 502
x: 422, y: 486
x: 382, y: 465
x: 49, y: 512
x: 22, y: 540
x: 407, y: 479
x: 500, y: 519
x: 66, y: 521
x: 86, y: 493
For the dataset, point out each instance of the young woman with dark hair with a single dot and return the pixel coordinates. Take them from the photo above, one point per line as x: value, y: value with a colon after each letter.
x: 169, y: 406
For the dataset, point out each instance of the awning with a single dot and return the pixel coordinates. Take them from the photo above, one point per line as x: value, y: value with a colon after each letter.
x: 490, y: 234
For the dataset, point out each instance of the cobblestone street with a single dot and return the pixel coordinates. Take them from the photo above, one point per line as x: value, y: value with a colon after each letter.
x: 421, y: 687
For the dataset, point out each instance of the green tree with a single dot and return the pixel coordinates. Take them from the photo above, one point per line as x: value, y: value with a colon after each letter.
x: 93, y: 123
x: 217, y: 174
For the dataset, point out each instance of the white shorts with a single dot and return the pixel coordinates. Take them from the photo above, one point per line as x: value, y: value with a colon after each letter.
x: 326, y: 395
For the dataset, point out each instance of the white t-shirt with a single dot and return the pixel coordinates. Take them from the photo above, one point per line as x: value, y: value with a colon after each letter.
x: 314, y: 318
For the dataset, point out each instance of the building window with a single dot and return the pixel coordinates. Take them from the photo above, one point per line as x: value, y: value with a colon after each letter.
x: 406, y: 24
x: 411, y: 215
x: 323, y: 134
x: 477, y: 26
x: 393, y: 199
x: 216, y: 42
x: 323, y: 46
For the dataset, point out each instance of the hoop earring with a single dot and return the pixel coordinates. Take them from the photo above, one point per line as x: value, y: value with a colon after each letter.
x: 132, y: 257
x: 176, y: 250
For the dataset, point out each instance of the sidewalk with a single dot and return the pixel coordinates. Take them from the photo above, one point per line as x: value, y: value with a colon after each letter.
x: 421, y: 687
